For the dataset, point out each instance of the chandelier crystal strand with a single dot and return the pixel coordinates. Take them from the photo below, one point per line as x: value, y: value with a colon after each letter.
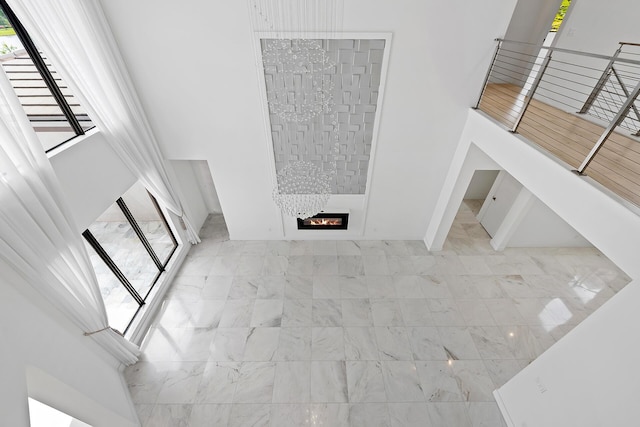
x: 301, y: 93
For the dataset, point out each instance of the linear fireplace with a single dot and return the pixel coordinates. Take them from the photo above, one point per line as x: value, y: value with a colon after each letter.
x: 325, y: 221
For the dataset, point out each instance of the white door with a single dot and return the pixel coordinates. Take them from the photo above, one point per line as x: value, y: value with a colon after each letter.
x: 498, y: 202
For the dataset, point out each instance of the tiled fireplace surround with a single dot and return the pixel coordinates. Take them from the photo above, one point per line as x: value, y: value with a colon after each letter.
x: 357, y: 333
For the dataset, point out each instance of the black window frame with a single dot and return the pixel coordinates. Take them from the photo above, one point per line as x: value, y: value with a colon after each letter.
x: 102, y: 253
x: 45, y: 73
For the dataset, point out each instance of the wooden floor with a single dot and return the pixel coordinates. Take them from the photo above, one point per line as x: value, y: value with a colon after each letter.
x: 570, y: 138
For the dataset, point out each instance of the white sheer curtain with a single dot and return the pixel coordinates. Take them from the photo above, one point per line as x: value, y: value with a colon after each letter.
x: 76, y: 37
x: 38, y: 239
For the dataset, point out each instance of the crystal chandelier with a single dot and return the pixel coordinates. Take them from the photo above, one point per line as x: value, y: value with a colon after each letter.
x: 301, y: 94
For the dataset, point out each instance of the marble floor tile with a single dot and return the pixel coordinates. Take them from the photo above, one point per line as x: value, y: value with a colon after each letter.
x: 401, y: 381
x: 250, y: 415
x: 348, y: 247
x: 353, y: 287
x: 224, y: 265
x: 473, y: 380
x: 330, y: 414
x: 271, y: 287
x: 255, y: 382
x: 364, y: 381
x: 169, y: 416
x: 267, y: 313
x: 415, y: 312
x: 298, y: 287
x: 409, y: 415
x: 290, y: 415
x: 261, y: 345
x: 380, y: 287
x: 375, y: 265
x: 485, y: 414
x: 297, y: 312
x: 218, y: 382
x: 325, y: 265
x: 458, y: 343
x: 326, y: 287
x: 369, y: 415
x: 329, y: 382
x: 409, y: 286
x: 360, y: 343
x: 206, y: 415
x: 300, y: 265
x: 445, y: 312
x: 326, y: 312
x: 327, y: 343
x: 181, y: 383
x: 244, y: 287
x: 357, y: 333
x: 426, y: 344
x: 292, y: 382
x: 275, y: 265
x: 475, y: 312
x: 448, y: 414
x: 386, y: 312
x: 435, y: 287
x: 439, y: 382
x: 294, y: 344
x: 393, y: 343
x: 249, y: 265
x: 401, y: 265
x: 229, y: 343
x: 237, y: 313
x: 216, y: 287
x: 350, y: 265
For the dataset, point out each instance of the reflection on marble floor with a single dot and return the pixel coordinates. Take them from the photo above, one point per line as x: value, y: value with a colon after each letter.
x: 357, y: 333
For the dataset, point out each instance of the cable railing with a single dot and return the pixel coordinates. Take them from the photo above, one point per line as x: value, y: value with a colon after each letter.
x: 581, y: 107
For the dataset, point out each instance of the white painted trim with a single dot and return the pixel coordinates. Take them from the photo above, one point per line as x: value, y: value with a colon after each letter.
x: 376, y: 123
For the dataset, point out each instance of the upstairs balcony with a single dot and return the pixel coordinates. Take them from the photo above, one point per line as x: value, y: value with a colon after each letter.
x: 578, y: 107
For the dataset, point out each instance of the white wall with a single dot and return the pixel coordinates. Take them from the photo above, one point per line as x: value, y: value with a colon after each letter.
x: 189, y: 188
x: 541, y: 227
x: 45, y: 356
x: 92, y: 176
x: 199, y: 87
x: 480, y: 184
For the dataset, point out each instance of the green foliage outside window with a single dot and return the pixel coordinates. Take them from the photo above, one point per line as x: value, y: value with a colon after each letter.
x: 560, y: 16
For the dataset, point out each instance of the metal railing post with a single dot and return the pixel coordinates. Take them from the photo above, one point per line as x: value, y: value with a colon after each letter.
x: 626, y: 93
x: 620, y: 116
x: 532, y: 90
x: 486, y: 79
x: 601, y: 82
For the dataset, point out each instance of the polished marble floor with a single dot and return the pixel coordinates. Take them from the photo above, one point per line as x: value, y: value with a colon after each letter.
x: 357, y: 333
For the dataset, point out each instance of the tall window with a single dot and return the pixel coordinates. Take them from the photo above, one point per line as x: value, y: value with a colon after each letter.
x: 130, y: 245
x: 55, y: 114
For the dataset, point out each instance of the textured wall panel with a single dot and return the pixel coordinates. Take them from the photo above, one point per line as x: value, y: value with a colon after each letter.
x: 356, y: 80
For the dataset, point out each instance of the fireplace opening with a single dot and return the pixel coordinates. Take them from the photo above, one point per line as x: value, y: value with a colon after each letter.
x: 325, y: 221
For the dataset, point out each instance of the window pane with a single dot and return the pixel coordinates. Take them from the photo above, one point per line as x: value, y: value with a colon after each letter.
x: 148, y: 218
x: 120, y: 305
x: 46, y: 116
x: 121, y: 243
